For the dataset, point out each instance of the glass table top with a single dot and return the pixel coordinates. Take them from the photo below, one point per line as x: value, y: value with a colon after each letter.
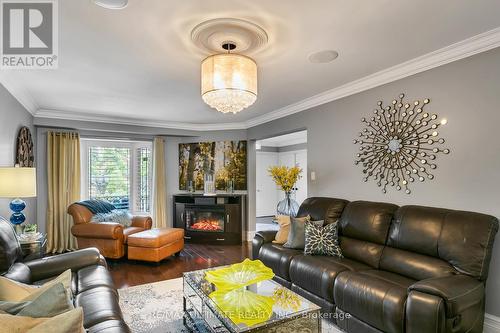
x: 246, y: 309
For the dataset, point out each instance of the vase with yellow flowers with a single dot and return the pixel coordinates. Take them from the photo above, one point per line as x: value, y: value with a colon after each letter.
x: 286, y: 177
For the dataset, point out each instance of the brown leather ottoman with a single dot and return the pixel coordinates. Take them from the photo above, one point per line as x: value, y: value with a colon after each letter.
x: 155, y: 244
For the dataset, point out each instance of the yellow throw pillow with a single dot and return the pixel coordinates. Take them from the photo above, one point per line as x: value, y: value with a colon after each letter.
x: 70, y: 321
x: 13, y: 291
x: 284, y: 230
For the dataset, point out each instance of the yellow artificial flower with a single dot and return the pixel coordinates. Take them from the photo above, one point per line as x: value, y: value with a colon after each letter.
x: 285, y: 177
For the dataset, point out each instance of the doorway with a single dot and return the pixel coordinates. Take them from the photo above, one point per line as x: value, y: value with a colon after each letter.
x: 287, y: 150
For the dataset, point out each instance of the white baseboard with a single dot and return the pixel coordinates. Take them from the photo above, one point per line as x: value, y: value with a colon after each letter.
x: 491, y: 324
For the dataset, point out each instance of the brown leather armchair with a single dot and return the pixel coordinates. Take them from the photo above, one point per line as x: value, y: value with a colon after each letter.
x: 110, y: 238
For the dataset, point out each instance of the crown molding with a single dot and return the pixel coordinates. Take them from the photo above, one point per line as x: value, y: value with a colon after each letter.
x: 99, y: 118
x: 19, y: 93
x: 460, y: 50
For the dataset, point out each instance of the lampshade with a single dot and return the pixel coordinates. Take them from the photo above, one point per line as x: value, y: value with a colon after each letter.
x: 17, y: 182
x: 229, y: 82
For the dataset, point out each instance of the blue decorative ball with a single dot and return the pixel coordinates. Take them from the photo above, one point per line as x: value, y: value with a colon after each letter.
x: 17, y: 218
x: 17, y: 205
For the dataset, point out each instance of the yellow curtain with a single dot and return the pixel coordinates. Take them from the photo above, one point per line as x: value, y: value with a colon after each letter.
x: 63, y: 176
x: 159, y: 184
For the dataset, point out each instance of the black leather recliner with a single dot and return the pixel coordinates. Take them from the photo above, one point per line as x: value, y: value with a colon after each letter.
x: 92, y: 286
x: 405, y: 269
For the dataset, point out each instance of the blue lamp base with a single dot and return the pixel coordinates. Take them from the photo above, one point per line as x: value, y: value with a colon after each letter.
x: 17, y: 217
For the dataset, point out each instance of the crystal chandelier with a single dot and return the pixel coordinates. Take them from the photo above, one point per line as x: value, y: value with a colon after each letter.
x: 229, y: 81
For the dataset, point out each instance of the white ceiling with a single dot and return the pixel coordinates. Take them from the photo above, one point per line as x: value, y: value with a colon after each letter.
x: 294, y: 138
x: 138, y: 65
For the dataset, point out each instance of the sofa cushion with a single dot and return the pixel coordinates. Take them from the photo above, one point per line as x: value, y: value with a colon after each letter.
x: 278, y: 258
x: 367, y: 221
x: 378, y: 297
x: 92, y: 277
x: 317, y: 274
x: 363, y: 230
x: 327, y: 209
x: 99, y: 304
x: 414, y: 265
x: 463, y: 239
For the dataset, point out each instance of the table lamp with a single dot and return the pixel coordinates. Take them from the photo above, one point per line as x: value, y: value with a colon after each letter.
x: 17, y: 183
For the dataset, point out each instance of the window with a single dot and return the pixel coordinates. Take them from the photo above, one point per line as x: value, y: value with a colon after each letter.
x: 119, y: 172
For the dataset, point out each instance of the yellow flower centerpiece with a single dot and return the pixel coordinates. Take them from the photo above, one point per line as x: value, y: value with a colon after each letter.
x: 239, y: 275
x: 244, y: 306
x: 286, y: 178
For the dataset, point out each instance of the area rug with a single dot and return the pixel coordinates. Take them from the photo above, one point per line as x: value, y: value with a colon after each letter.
x: 157, y: 307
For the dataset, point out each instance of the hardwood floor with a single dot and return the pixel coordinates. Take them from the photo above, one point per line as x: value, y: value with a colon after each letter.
x: 127, y: 273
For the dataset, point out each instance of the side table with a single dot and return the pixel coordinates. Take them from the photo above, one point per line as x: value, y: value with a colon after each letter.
x: 34, y: 249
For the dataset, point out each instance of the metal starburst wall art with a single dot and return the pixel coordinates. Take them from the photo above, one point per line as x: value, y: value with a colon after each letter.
x: 399, y: 144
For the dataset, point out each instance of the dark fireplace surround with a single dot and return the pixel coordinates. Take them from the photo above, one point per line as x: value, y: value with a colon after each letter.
x: 210, y: 219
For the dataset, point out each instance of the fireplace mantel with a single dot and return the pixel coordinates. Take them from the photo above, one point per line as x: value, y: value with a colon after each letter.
x: 214, y: 219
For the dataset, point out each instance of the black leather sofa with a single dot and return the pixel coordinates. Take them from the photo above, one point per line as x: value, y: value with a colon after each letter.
x: 405, y: 269
x: 92, y: 286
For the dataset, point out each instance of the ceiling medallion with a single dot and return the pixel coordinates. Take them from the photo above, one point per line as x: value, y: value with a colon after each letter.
x: 400, y: 144
x: 228, y: 78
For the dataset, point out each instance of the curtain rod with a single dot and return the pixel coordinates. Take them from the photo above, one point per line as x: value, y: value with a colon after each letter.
x: 112, y: 138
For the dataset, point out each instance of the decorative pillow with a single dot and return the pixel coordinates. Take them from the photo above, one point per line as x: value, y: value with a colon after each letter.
x: 52, y: 302
x: 322, y: 240
x: 118, y: 216
x: 70, y: 321
x: 282, y: 234
x: 13, y: 291
x: 296, y: 237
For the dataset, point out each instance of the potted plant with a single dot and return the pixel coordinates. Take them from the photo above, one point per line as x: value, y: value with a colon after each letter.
x: 286, y: 177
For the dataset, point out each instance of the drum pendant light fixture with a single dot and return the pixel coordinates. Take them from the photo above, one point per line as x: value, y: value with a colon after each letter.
x: 229, y: 81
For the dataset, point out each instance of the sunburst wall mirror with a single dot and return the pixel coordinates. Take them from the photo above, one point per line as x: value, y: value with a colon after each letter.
x: 400, y: 144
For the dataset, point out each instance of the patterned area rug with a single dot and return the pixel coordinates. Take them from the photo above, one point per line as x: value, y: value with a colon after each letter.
x: 157, y: 307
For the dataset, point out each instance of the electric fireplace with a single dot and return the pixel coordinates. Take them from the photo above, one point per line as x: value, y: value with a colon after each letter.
x: 204, y: 218
x: 215, y: 219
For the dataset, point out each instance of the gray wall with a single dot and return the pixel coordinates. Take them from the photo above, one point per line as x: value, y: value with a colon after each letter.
x: 467, y: 93
x: 13, y: 116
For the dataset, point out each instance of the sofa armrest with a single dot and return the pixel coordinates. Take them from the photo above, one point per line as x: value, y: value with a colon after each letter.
x: 142, y: 222
x: 459, y: 292
x: 104, y: 230
x: 261, y: 237
x: 425, y: 313
x: 51, y: 266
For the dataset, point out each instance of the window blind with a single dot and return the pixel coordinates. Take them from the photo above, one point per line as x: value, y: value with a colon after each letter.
x: 109, y: 175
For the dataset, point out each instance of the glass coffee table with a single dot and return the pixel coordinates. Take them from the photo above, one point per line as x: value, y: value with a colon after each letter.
x: 265, y: 306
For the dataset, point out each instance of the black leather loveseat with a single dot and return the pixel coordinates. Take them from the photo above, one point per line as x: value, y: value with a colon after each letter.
x: 92, y: 286
x: 405, y: 269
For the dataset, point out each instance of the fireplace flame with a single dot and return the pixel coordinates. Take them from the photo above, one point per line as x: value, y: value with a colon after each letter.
x: 207, y: 224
